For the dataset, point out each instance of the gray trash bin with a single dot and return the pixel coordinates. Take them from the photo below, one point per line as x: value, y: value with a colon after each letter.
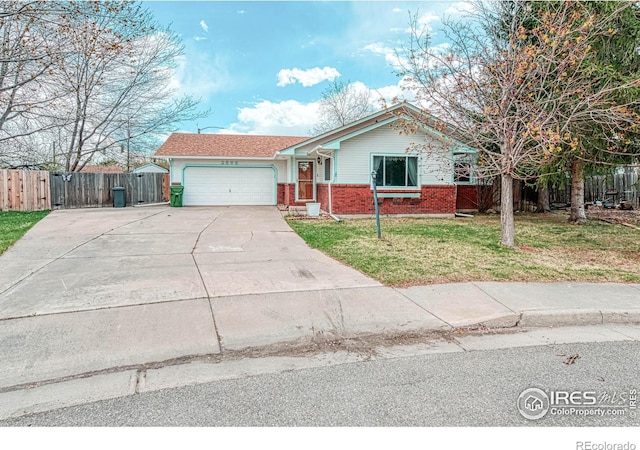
x: 118, y: 197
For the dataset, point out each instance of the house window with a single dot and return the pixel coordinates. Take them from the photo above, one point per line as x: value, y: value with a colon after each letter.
x: 396, y: 171
x: 462, y: 168
x: 327, y: 169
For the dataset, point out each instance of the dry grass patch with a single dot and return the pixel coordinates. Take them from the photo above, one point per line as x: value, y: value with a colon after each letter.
x: 428, y: 251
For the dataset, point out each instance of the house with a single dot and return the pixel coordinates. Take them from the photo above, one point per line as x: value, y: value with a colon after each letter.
x: 333, y: 169
x: 150, y: 168
x: 101, y: 169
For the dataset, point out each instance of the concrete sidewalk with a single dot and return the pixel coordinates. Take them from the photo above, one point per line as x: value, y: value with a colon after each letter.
x: 256, y: 320
x: 65, y: 359
x: 54, y: 346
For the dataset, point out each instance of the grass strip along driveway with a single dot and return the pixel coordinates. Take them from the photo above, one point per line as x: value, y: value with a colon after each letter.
x: 428, y: 251
x: 14, y: 224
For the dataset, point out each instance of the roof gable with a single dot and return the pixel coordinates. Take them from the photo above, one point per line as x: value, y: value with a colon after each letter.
x: 331, y: 140
x: 225, y: 145
x: 150, y: 166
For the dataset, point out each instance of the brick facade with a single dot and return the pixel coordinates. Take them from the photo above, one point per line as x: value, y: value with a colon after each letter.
x: 467, y: 197
x: 287, y: 195
x: 281, y: 194
x: 358, y: 199
x: 322, y: 195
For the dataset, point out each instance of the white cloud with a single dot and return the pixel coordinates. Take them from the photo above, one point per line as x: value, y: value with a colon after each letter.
x: 389, y: 94
x: 426, y: 19
x: 288, y: 117
x: 397, y: 61
x: 201, y: 75
x: 389, y: 54
x: 460, y: 8
x: 397, y: 10
x: 241, y: 11
x: 441, y: 48
x: 292, y: 118
x: 204, y: 26
x: 200, y: 38
x: 308, y: 77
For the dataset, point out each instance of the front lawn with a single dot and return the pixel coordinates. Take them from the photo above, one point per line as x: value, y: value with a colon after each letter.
x: 14, y: 224
x: 427, y: 251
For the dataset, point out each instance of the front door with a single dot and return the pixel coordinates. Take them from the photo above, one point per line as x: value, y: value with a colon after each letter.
x: 306, y: 175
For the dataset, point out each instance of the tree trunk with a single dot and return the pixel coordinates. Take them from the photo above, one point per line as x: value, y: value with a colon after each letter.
x: 506, y: 212
x: 543, y: 199
x: 577, y: 215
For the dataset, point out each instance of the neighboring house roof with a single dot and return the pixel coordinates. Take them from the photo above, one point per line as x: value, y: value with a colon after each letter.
x: 101, y: 169
x: 225, y: 145
x: 150, y: 167
x: 26, y: 167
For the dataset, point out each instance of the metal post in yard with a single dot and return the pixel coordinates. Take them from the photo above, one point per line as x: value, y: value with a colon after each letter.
x: 128, y: 146
x: 375, y: 202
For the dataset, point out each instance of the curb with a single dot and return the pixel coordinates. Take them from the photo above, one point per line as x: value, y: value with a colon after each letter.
x: 559, y: 318
x: 79, y: 391
x: 578, y: 317
x: 621, y: 316
x: 67, y: 393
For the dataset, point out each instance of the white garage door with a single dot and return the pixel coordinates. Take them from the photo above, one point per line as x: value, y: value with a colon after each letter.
x: 229, y: 186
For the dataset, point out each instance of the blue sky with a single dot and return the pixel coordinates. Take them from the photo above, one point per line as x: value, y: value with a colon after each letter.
x: 261, y: 66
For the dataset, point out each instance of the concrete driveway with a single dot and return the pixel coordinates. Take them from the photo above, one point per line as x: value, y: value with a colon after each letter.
x: 89, y: 290
x: 89, y: 259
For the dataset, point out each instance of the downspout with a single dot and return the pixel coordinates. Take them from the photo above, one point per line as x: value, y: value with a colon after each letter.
x: 330, y: 185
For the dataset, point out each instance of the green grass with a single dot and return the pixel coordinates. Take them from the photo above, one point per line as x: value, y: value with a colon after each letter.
x: 14, y: 224
x: 427, y: 251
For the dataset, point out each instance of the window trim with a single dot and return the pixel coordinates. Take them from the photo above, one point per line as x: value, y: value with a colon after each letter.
x: 406, y: 187
x: 327, y: 162
x: 461, y: 158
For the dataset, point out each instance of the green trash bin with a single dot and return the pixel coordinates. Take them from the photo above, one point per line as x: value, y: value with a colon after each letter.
x: 118, y: 197
x: 176, y: 195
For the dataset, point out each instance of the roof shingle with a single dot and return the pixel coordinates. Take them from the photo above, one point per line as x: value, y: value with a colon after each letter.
x: 102, y: 169
x: 226, y: 145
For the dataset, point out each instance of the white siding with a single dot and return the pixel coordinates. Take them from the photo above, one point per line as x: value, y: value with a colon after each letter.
x: 354, y: 157
x: 178, y: 165
x: 149, y: 169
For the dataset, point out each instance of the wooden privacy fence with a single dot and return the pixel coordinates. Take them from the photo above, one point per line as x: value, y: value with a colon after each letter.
x: 24, y: 190
x: 95, y: 190
x: 615, y: 187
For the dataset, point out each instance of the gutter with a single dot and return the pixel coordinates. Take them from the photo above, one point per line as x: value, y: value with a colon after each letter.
x: 221, y: 158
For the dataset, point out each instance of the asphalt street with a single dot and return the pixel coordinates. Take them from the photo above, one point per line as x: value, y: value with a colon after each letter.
x: 476, y: 388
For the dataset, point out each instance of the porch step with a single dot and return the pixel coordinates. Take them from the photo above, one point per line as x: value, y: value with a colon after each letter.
x: 298, y: 210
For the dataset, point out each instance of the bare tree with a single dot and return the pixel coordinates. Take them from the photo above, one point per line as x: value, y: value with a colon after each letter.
x: 515, y: 84
x: 117, y: 75
x: 342, y: 103
x: 30, y: 46
x: 104, y: 77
